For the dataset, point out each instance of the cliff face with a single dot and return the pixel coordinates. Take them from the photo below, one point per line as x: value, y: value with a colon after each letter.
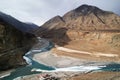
x: 86, y: 28
x: 14, y: 43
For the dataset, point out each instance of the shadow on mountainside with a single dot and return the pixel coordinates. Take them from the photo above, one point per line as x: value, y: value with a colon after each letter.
x: 58, y: 36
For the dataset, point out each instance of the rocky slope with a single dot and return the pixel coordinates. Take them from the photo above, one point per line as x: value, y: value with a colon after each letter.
x: 98, y: 76
x: 85, y: 28
x: 14, y: 43
x: 82, y: 76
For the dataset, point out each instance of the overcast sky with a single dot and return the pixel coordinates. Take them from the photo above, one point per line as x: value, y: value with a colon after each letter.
x: 39, y: 11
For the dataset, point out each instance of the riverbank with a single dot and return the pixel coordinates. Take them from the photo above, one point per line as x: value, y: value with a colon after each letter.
x: 6, y: 73
x: 48, y: 58
x: 98, y: 76
x: 51, y: 59
x: 78, y: 76
x: 89, y: 55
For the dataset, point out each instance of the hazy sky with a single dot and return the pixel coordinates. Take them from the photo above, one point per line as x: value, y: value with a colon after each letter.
x: 39, y: 11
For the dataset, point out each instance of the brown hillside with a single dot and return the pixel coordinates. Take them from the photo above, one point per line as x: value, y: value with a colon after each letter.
x: 86, y: 28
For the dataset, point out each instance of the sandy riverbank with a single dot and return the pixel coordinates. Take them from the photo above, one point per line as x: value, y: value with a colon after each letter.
x: 5, y: 73
x: 78, y: 76
x: 51, y: 59
x: 98, y: 76
x: 48, y: 58
x: 96, y: 54
x: 101, y: 56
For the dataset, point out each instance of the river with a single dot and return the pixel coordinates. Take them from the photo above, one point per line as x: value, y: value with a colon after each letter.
x: 35, y: 67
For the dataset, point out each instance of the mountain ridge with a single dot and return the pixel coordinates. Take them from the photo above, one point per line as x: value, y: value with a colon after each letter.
x: 24, y: 27
x: 87, y: 20
x: 94, y: 26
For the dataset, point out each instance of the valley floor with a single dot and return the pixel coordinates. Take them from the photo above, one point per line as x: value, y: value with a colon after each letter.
x: 51, y: 59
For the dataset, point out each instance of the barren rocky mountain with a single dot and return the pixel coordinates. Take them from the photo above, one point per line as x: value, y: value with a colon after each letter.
x: 85, y: 28
x: 14, y: 43
x: 85, y: 17
x: 88, y: 17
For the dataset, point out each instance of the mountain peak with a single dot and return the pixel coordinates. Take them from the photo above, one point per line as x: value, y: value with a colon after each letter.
x: 85, y: 9
x: 24, y: 27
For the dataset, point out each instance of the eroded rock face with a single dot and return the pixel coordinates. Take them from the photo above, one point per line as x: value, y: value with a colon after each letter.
x: 13, y: 45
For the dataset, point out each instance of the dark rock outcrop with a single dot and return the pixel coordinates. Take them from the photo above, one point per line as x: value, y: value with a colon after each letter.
x: 14, y: 43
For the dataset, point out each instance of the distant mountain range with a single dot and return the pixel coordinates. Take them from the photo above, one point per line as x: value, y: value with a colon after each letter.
x: 25, y: 27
